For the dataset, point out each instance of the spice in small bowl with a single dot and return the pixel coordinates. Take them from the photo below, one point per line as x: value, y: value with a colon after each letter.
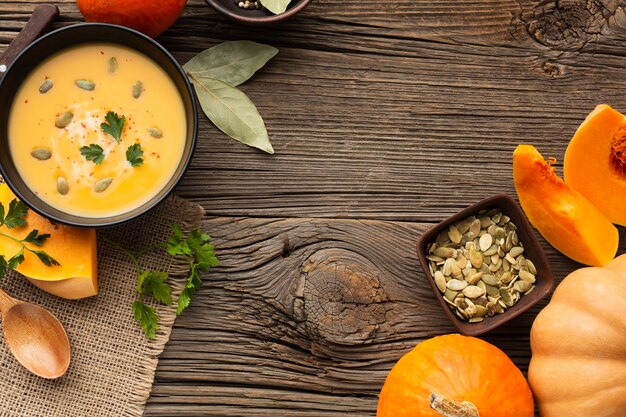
x: 485, y: 265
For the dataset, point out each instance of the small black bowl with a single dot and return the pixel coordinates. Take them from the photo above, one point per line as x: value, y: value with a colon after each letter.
x: 256, y: 17
x: 72, y: 36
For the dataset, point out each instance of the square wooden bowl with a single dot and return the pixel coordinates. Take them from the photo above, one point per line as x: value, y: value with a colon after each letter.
x: 532, y: 251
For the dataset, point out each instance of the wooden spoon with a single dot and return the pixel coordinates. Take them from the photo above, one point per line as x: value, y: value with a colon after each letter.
x: 35, y: 337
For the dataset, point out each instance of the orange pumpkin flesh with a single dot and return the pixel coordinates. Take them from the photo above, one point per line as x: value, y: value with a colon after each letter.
x: 578, y: 342
x: 459, y: 369
x: 595, y: 162
x: 566, y: 219
x: 148, y: 16
x: 74, y: 248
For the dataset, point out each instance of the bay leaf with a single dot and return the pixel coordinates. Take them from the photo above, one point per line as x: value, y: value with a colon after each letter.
x: 276, y: 6
x: 231, y: 62
x: 232, y: 112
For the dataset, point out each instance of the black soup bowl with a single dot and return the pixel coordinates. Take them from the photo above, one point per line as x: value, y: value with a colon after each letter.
x: 55, y: 42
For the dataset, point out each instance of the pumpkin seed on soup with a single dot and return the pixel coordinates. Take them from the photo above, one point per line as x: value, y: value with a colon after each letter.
x: 137, y: 89
x: 112, y: 67
x: 63, y: 119
x: 62, y: 186
x: 155, y: 132
x: 85, y: 85
x: 42, y: 154
x: 478, y: 265
x: 46, y: 86
x: 102, y: 185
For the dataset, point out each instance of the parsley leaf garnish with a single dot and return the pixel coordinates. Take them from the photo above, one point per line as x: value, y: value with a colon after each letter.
x: 114, y: 125
x: 16, y: 217
x: 93, y: 152
x: 147, y: 317
x: 200, y: 255
x: 134, y: 155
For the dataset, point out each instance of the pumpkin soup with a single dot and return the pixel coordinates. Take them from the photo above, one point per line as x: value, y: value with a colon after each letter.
x: 97, y: 130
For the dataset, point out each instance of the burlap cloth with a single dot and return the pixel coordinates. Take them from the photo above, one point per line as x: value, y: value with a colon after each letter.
x: 113, y: 363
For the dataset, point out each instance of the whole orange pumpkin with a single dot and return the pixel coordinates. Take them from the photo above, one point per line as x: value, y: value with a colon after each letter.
x: 147, y: 16
x: 455, y: 376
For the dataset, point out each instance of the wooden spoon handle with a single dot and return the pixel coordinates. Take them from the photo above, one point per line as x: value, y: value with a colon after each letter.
x: 6, y: 302
x: 42, y: 17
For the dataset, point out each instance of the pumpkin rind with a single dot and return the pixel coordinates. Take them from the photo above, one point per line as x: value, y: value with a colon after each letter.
x: 591, y: 166
x: 461, y: 369
x: 565, y: 218
x: 74, y: 248
x: 578, y: 342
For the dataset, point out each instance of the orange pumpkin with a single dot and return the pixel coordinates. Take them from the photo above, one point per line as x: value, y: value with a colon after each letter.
x: 455, y: 376
x: 595, y: 162
x: 566, y: 219
x: 74, y: 248
x: 148, y: 16
x: 578, y: 342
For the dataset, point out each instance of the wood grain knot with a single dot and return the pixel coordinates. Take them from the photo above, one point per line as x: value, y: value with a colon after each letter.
x: 570, y: 24
x: 343, y: 301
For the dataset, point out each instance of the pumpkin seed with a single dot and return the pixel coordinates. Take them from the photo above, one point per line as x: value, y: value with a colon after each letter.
x: 442, y: 238
x: 155, y: 132
x: 434, y: 258
x: 102, y: 185
x: 495, y: 267
x: 475, y: 257
x: 475, y: 227
x: 454, y: 234
x: 506, y: 297
x: 455, y: 268
x: 492, y: 250
x: 46, y: 86
x: 497, y: 217
x: 481, y: 285
x: 450, y: 295
x: 485, y: 242
x: 500, y: 233
x: 447, y: 267
x: 462, y: 261
x: 137, y: 88
x: 86, y: 85
x: 527, y: 276
x: 506, y: 277
x: 511, y: 259
x: 530, y: 290
x: 491, y: 280
x: 444, y: 252
x: 112, y: 67
x: 516, y: 251
x: 531, y: 267
x: 491, y: 290
x: 472, y: 291
x: 456, y: 284
x: 62, y: 186
x: 440, y: 281
x: 42, y: 154
x: 464, y: 225
x: 476, y: 319
x: 474, y: 278
x: 491, y: 308
x: 481, y: 311
x: 470, y: 310
x: 485, y: 222
x: 63, y: 119
x: 522, y: 286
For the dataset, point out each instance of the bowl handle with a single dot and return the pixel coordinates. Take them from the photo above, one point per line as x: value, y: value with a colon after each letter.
x: 42, y: 17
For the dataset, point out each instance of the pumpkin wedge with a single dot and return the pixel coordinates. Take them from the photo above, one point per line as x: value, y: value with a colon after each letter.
x: 595, y: 162
x: 74, y: 248
x: 566, y: 219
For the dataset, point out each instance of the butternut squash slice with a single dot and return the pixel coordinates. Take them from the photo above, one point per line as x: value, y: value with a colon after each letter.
x: 566, y: 219
x: 595, y: 162
x: 74, y: 248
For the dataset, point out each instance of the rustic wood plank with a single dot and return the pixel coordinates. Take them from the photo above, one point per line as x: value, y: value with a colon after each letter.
x: 308, y: 313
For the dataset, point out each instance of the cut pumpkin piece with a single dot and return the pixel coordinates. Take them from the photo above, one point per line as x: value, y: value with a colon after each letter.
x: 566, y: 219
x: 74, y: 248
x: 595, y: 162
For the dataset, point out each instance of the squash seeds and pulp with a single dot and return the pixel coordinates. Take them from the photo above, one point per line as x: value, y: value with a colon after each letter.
x: 478, y: 265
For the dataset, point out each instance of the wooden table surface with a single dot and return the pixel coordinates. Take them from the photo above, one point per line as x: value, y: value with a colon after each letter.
x: 386, y: 117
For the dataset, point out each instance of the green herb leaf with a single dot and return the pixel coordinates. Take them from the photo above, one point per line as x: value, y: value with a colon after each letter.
x: 134, y: 155
x: 176, y: 244
x: 114, y: 125
x: 204, y: 253
x: 230, y: 62
x: 35, y: 238
x: 16, y: 216
x: 232, y: 112
x: 191, y: 286
x: 1, y: 213
x: 152, y: 283
x: 93, y: 152
x: 276, y: 6
x: 16, y: 260
x: 3, y: 266
x: 45, y: 258
x: 147, y: 317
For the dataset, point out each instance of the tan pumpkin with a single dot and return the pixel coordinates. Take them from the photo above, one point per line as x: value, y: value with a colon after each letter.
x: 578, y: 341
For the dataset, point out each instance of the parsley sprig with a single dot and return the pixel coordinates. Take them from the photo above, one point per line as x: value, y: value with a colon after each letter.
x: 134, y: 155
x: 93, y: 152
x: 16, y: 217
x: 114, y: 125
x: 195, y: 249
